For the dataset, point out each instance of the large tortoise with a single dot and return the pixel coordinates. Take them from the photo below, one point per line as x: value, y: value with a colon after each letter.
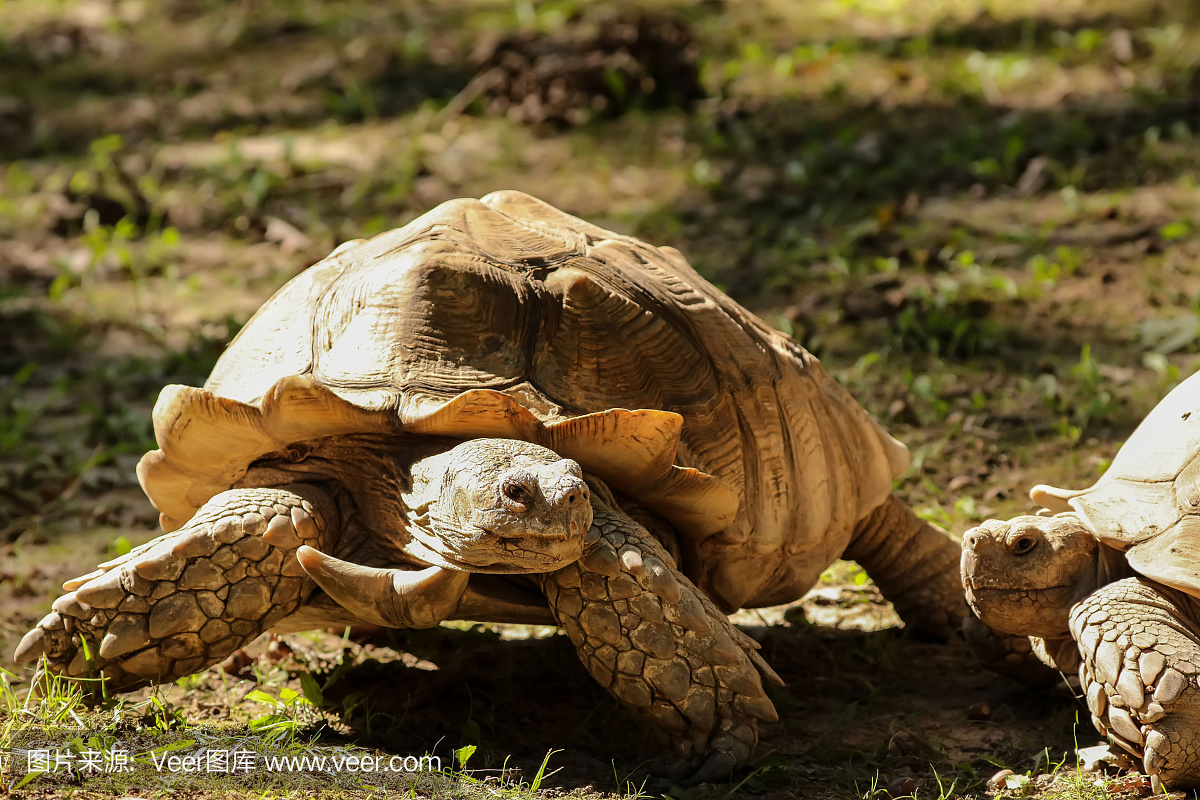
x: 1107, y: 581
x: 503, y: 413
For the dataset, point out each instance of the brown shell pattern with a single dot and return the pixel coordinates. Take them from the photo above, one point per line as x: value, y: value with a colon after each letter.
x: 555, y: 318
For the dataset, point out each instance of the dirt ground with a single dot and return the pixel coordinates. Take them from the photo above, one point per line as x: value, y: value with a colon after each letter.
x: 981, y: 216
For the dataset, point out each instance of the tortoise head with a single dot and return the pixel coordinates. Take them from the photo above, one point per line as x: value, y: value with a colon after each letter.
x: 1024, y: 575
x: 499, y: 505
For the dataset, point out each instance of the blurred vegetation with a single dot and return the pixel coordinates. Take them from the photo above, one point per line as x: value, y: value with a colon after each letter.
x: 982, y: 216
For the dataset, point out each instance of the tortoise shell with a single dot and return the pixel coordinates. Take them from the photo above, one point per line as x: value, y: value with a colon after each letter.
x: 1148, y: 501
x: 506, y: 317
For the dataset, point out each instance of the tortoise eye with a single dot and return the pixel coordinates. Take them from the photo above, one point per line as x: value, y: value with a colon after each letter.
x: 1023, y: 545
x: 516, y: 496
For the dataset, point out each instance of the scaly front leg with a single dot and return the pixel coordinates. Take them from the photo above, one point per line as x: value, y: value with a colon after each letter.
x: 1141, y: 671
x: 650, y: 637
x: 187, y: 599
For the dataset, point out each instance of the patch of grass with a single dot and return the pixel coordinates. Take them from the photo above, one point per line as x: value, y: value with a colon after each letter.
x: 55, y: 742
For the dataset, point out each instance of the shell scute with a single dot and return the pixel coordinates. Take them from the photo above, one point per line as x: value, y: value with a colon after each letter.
x: 654, y: 365
x: 427, y: 318
x: 1172, y: 557
x: 1187, y: 486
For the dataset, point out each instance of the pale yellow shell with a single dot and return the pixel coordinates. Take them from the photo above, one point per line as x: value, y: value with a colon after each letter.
x: 1148, y: 501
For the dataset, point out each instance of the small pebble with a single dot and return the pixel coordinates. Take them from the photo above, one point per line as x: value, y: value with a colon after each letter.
x: 996, y: 782
x: 979, y: 711
x: 902, y: 787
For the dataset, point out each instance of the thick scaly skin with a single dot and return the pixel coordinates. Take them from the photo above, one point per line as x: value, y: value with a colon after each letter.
x: 1141, y: 673
x: 915, y: 565
x: 649, y: 636
x: 184, y: 601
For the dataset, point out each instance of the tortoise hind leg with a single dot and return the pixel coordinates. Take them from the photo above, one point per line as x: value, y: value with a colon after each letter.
x: 660, y: 647
x: 185, y: 600
x: 1140, y: 645
x: 915, y: 565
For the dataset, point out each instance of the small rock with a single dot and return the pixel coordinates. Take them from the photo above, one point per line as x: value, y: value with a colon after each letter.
x: 902, y: 787
x: 997, y: 781
x: 979, y: 711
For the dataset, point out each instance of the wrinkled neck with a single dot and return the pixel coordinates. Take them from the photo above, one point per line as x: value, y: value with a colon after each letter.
x: 1111, y: 565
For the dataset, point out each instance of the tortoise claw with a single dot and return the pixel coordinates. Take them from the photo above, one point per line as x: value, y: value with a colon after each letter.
x: 32, y: 646
x: 394, y: 598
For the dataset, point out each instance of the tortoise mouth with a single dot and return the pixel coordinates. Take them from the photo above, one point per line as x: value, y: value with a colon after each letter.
x: 972, y: 583
x: 538, y: 553
x: 485, y: 551
x: 529, y: 538
x: 1037, y: 595
x: 1022, y: 610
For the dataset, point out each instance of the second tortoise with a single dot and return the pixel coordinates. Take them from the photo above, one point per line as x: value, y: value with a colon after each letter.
x: 1108, y: 583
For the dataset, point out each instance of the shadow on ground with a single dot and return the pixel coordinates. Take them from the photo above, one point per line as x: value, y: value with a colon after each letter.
x: 854, y: 701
